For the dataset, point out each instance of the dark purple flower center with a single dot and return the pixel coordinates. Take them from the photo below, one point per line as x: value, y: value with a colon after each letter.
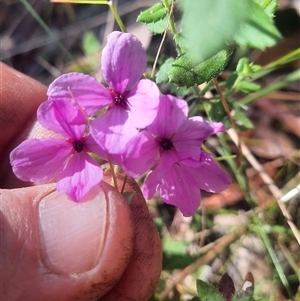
x: 78, y: 145
x: 166, y: 144
x: 118, y: 99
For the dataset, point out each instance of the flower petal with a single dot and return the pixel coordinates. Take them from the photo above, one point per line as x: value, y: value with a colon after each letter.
x: 179, y: 188
x: 167, y: 160
x: 210, y: 176
x: 63, y: 117
x: 80, y: 175
x: 40, y: 161
x: 141, y: 154
x: 165, y: 164
x: 93, y: 147
x: 123, y: 61
x: 189, y: 137
x: 171, y: 114
x: 113, y: 130
x: 151, y: 185
x: 143, y: 101
x: 207, y: 128
x: 87, y: 91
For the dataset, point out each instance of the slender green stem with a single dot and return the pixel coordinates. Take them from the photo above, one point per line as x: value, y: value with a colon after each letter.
x: 124, y: 183
x: 271, y: 88
x: 272, y: 254
x: 170, y: 9
x: 45, y: 27
x: 288, y: 58
x: 106, y: 2
x: 116, y: 15
x: 237, y: 170
x: 170, y: 6
x: 113, y: 174
x: 163, y: 38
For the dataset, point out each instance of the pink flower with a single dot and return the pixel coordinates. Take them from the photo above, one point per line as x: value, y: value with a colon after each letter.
x: 131, y: 103
x: 180, y: 186
x: 171, y: 144
x: 64, y: 159
x: 171, y: 138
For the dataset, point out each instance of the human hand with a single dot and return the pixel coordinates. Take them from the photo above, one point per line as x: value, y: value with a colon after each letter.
x: 55, y: 249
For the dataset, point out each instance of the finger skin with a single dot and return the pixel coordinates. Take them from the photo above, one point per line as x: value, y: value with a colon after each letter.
x: 27, y: 275
x: 143, y: 271
x: 20, y: 96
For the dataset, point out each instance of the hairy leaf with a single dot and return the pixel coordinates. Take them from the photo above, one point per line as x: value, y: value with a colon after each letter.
x: 153, y: 14
x: 206, y: 292
x: 186, y: 72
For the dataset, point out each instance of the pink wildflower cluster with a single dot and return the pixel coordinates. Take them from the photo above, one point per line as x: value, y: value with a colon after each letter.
x: 127, y: 122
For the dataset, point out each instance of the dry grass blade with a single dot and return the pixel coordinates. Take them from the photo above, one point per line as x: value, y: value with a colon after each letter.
x: 267, y: 180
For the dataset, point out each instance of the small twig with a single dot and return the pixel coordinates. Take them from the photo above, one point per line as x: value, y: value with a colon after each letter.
x: 162, y: 40
x: 267, y: 180
x: 227, y: 110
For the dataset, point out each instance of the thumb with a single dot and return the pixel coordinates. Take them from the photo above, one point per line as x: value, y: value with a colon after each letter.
x: 54, y: 249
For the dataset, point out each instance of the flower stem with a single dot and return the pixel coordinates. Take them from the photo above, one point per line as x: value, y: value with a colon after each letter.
x: 294, y: 76
x: 113, y: 174
x: 107, y: 2
x: 116, y: 15
x: 124, y: 183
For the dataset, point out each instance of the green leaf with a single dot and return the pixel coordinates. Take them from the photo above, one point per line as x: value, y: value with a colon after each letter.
x: 158, y: 27
x: 215, y: 110
x: 90, y: 43
x: 162, y: 74
x: 221, y: 23
x: 243, y: 122
x: 175, y: 247
x: 231, y: 80
x: 217, y: 22
x: 206, y: 292
x: 175, y: 255
x: 246, y: 292
x: 258, y: 31
x: 269, y: 6
x: 180, y: 41
x: 242, y: 296
x: 245, y: 68
x: 155, y: 18
x: 185, y: 72
x: 247, y: 87
x: 153, y: 14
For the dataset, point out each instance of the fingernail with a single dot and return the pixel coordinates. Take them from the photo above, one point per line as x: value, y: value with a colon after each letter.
x: 72, y: 234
